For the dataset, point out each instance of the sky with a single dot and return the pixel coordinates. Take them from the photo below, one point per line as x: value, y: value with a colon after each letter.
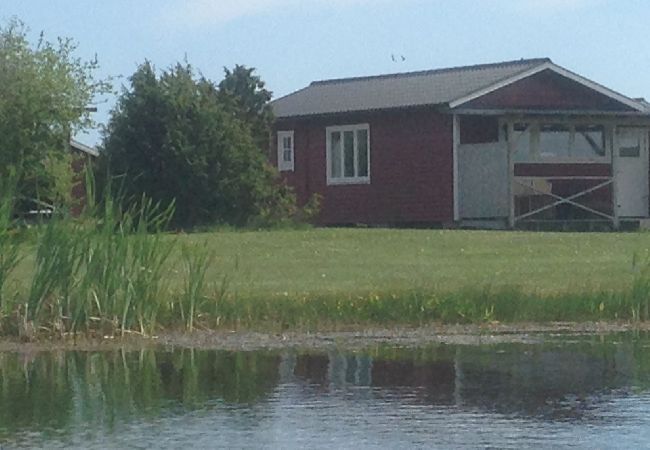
x: 294, y: 42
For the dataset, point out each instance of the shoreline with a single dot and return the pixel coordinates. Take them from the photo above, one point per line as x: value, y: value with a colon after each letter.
x: 351, y: 339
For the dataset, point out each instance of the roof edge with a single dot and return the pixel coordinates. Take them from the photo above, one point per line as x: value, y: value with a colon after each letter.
x: 523, y: 62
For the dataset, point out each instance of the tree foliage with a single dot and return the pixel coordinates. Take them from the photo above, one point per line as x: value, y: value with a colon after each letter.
x: 174, y: 138
x: 250, y: 99
x: 44, y: 94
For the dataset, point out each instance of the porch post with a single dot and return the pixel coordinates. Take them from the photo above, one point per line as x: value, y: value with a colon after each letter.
x: 511, y: 173
x: 456, y: 143
x: 615, y: 221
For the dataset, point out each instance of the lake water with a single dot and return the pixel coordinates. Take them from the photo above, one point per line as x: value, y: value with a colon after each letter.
x: 566, y: 391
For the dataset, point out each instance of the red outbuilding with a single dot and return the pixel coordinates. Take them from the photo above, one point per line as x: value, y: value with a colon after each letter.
x: 496, y: 145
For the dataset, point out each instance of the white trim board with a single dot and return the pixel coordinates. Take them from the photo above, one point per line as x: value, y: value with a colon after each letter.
x: 456, y: 184
x: 638, y: 106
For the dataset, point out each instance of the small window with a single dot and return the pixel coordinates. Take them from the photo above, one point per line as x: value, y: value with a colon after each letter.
x: 630, y: 152
x: 348, y: 154
x: 285, y: 151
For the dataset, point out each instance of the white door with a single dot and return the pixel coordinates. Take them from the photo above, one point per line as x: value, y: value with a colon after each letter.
x: 483, y: 181
x: 631, y: 171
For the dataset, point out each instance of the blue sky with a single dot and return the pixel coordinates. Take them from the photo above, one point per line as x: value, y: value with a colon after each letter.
x: 293, y: 42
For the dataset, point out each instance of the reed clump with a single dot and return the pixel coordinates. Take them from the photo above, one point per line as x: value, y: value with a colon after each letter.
x: 104, y: 273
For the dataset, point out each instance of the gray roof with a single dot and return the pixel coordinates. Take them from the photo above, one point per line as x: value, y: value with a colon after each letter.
x: 431, y: 87
x: 76, y: 145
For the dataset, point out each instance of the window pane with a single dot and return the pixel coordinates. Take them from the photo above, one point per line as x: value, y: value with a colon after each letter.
x: 554, y: 141
x: 335, y: 154
x: 287, y: 142
x: 522, y: 142
x: 362, y: 152
x: 348, y: 153
x: 287, y: 155
x: 630, y: 152
x: 589, y: 141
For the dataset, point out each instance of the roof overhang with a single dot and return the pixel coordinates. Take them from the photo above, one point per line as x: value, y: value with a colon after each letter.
x: 638, y: 106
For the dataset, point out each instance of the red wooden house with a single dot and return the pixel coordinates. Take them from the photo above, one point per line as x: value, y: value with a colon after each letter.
x: 495, y: 145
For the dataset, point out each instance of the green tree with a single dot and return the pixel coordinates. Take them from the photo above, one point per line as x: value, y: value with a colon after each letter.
x: 44, y: 94
x: 250, y: 99
x: 174, y: 139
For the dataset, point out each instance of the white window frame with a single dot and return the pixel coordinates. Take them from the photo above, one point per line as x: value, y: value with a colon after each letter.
x: 343, y: 179
x: 534, y: 127
x: 286, y: 166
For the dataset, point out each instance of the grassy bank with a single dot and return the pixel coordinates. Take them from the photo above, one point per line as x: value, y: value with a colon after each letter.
x: 331, y: 261
x: 318, y: 278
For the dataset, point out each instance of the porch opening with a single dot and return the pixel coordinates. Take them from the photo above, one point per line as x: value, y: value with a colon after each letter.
x: 541, y: 170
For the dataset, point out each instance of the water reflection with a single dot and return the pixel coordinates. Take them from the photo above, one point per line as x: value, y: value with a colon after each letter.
x: 56, y: 394
x: 58, y: 390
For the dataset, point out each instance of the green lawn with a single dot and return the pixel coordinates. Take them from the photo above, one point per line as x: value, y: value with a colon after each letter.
x: 315, y: 278
x: 360, y: 260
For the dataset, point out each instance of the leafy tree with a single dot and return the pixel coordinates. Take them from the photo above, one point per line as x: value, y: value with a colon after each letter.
x: 44, y: 94
x: 249, y: 97
x: 175, y: 139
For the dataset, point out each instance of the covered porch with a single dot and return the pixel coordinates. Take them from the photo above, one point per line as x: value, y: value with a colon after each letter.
x: 548, y: 171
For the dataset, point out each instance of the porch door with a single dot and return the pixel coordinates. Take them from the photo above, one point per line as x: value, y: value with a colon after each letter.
x: 631, y: 171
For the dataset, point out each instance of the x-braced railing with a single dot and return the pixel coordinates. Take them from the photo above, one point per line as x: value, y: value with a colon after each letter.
x: 568, y: 200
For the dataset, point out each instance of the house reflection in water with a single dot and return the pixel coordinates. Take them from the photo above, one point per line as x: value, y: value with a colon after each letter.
x: 553, y: 382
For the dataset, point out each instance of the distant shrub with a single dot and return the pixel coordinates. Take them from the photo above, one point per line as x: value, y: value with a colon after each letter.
x: 175, y: 138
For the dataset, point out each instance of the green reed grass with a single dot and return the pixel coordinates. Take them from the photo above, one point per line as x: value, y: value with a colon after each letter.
x: 106, y: 272
x: 196, y: 260
x: 420, y: 307
x: 9, y: 252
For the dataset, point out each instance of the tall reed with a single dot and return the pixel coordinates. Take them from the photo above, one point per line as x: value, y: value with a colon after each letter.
x: 639, y: 297
x: 9, y: 255
x: 196, y: 260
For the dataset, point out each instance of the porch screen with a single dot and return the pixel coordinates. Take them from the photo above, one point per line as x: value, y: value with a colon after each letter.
x: 559, y: 142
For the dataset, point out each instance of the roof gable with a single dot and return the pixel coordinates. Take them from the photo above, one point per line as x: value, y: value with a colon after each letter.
x: 547, y: 90
x: 581, y: 85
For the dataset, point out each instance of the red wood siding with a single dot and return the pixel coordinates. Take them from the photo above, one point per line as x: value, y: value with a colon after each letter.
x: 546, y: 91
x: 80, y: 161
x: 411, y: 167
